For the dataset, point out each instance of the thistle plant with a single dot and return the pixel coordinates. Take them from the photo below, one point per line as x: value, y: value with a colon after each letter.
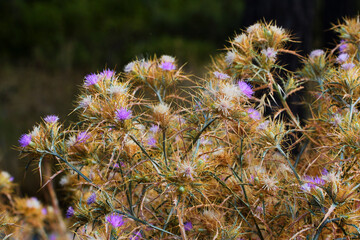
x: 230, y: 160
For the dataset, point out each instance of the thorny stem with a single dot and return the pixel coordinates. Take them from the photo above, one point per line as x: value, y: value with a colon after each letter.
x: 164, y: 147
x: 319, y: 230
x: 54, y: 200
x: 199, y: 134
x: 287, y: 108
x: 291, y: 166
x: 69, y: 164
x: 155, y: 164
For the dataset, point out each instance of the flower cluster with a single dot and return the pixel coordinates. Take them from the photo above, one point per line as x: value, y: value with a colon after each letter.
x: 231, y: 160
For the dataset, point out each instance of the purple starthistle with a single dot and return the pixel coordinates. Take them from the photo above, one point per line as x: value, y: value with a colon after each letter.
x: 152, y: 142
x: 342, y: 58
x: 245, y: 89
x: 348, y: 66
x: 154, y: 128
x: 270, y: 53
x: 70, y: 212
x: 343, y: 46
x: 82, y: 137
x: 313, y: 182
x: 254, y: 114
x: 316, y: 53
x: 107, y: 73
x: 51, y: 119
x: 44, y: 211
x: 324, y: 172
x: 115, y: 220
x: 91, y: 79
x: 167, y: 66
x: 91, y: 199
x: 136, y: 235
x: 123, y: 114
x: 221, y: 76
x: 25, y: 140
x: 188, y: 226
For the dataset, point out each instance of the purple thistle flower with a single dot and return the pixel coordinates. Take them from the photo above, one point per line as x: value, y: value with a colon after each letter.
x: 342, y: 58
x: 324, y: 172
x: 312, y: 182
x: 221, y: 76
x: 270, y: 53
x: 188, y: 226
x: 152, y: 142
x: 136, y: 235
x: 348, y: 66
x: 91, y: 79
x: 107, y: 73
x: 115, y: 220
x: 51, y: 119
x: 154, y: 128
x: 167, y: 66
x: 123, y: 114
x: 25, y: 140
x: 70, y: 212
x: 91, y: 199
x: 343, y: 46
x: 254, y: 114
x: 82, y: 137
x: 245, y: 89
x: 52, y: 236
x: 316, y: 53
x: 44, y: 211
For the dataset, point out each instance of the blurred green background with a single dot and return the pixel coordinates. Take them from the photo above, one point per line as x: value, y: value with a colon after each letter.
x: 47, y: 46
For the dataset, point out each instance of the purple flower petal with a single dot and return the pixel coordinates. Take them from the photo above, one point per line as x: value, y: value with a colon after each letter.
x: 123, y: 114
x: 25, y: 140
x: 151, y: 142
x: 70, y: 212
x: 167, y: 66
x: 188, y: 226
x: 254, y: 114
x: 221, y: 76
x: 91, y: 79
x: 343, y: 46
x: 245, y: 89
x: 107, y: 73
x: 91, y: 199
x: 342, y: 58
x: 136, y: 235
x: 316, y: 53
x: 115, y: 220
x: 82, y: 137
x: 348, y: 66
x: 51, y: 119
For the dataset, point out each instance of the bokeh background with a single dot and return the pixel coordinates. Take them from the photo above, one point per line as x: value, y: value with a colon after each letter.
x: 47, y: 46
